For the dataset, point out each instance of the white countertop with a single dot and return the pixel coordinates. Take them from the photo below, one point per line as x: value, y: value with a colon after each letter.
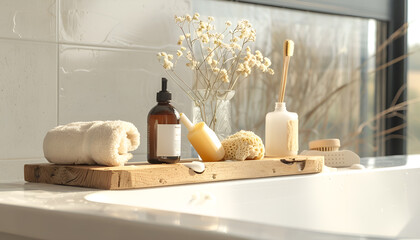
x: 46, y: 211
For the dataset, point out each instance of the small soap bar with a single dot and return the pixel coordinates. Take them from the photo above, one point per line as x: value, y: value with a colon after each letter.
x: 196, y: 166
x: 357, y: 166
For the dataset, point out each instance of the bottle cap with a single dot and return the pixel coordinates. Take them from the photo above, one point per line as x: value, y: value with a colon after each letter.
x: 164, y: 95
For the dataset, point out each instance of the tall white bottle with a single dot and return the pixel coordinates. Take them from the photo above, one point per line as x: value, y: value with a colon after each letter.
x: 281, y: 132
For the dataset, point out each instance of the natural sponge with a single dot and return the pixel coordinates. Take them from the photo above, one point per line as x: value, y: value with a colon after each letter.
x: 243, y: 145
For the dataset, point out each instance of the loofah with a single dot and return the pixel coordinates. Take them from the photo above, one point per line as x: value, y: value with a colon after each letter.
x: 243, y: 145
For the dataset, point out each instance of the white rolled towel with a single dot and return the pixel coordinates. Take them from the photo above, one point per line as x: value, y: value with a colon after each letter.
x: 98, y: 142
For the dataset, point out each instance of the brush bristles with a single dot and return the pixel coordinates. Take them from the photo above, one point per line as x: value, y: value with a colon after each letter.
x: 326, y: 149
x: 288, y: 48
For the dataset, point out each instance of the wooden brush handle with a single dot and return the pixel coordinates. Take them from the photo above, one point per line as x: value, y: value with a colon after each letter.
x: 288, y: 48
x: 284, y: 80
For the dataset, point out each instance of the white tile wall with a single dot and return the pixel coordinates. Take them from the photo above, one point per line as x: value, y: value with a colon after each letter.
x: 80, y: 60
x: 127, y: 23
x: 28, y: 97
x: 28, y: 19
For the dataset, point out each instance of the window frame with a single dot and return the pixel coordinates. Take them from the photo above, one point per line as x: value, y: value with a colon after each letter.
x: 396, y: 79
x: 376, y: 9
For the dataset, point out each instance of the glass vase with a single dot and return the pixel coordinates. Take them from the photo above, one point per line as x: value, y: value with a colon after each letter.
x: 215, y: 110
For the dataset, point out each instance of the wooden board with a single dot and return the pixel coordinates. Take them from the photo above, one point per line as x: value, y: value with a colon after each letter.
x: 143, y: 175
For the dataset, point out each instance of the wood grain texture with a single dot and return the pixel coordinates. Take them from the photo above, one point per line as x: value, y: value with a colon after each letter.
x: 144, y: 175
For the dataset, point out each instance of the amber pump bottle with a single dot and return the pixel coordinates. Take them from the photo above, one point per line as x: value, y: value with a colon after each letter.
x: 163, y: 130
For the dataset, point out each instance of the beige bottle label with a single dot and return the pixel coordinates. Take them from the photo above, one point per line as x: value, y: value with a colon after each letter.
x: 292, y: 135
x: 168, y: 140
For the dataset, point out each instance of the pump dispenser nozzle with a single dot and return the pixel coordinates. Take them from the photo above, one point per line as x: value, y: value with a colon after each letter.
x: 164, y: 95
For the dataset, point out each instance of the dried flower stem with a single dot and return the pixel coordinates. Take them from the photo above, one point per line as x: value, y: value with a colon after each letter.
x: 217, y: 65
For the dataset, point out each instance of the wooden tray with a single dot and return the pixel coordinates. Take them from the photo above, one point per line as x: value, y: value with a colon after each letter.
x: 143, y: 175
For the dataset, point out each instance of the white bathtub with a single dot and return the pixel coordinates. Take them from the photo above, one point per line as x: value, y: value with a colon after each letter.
x: 380, y: 201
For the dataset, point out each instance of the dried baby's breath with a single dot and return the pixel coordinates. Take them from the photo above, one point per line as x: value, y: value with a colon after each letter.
x: 219, y: 60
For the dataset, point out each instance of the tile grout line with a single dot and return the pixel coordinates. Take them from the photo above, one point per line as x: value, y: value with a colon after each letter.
x: 27, y: 40
x: 87, y: 45
x: 104, y: 46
